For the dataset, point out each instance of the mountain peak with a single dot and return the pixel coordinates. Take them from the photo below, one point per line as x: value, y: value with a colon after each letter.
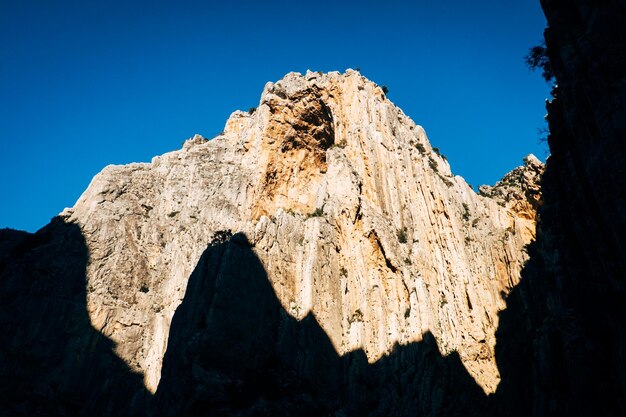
x: 355, y: 217
x: 344, y: 201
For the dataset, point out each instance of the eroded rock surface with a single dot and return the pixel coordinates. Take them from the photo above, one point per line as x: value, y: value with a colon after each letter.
x: 353, y: 216
x: 520, y: 189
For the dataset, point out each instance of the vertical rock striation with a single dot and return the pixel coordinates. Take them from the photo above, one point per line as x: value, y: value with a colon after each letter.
x: 388, y: 272
x: 319, y: 258
x: 352, y: 214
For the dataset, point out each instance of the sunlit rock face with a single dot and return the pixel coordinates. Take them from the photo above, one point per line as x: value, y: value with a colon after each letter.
x: 353, y: 216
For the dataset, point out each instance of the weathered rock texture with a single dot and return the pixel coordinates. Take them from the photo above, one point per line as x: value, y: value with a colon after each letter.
x: 519, y: 190
x: 355, y: 244
x: 365, y: 279
x: 352, y: 214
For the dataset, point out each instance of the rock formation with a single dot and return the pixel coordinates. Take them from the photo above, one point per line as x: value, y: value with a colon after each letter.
x: 351, y: 219
x: 562, y: 337
x: 319, y: 258
x: 356, y: 256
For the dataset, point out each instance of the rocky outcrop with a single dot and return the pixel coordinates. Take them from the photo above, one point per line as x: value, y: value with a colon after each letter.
x: 319, y: 242
x: 318, y: 258
x: 352, y: 214
x: 519, y: 190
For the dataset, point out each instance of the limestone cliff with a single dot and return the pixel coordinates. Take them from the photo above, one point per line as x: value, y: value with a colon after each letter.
x: 347, y: 214
x: 318, y: 258
x: 352, y: 214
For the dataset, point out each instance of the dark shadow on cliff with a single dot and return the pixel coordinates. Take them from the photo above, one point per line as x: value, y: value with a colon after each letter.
x: 561, y: 342
x: 52, y: 361
x: 233, y: 350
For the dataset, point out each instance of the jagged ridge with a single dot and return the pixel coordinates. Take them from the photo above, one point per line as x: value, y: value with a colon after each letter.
x: 355, y: 219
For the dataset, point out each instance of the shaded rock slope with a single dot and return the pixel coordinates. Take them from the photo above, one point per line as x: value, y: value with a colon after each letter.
x: 316, y: 257
x: 562, y: 340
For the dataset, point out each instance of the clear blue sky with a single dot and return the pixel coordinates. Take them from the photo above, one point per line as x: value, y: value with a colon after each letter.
x: 88, y: 83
